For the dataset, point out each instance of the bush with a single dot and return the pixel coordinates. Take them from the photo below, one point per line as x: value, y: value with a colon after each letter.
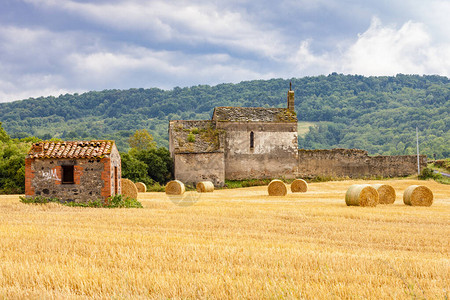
x: 120, y: 201
x: 426, y: 173
x: 116, y: 201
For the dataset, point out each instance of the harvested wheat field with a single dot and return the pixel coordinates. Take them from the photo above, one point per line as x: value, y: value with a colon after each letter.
x: 230, y: 244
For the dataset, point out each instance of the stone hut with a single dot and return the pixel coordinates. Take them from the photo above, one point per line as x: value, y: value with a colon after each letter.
x: 77, y: 171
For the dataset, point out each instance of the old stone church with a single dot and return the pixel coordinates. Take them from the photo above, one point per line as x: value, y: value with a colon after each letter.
x: 254, y: 142
x: 237, y: 143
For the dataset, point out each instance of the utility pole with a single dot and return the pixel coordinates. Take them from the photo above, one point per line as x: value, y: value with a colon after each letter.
x: 418, y: 160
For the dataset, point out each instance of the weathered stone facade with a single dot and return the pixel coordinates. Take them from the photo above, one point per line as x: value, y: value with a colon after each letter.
x: 197, y: 150
x: 192, y: 168
x: 273, y: 153
x: 73, y: 171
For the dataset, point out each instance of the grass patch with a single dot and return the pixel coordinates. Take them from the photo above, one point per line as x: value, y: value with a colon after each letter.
x: 303, y: 127
x: 234, y: 184
x: 116, y: 201
x: 428, y: 173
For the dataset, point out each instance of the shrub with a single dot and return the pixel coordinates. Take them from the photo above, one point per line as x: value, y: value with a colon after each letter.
x: 426, y: 173
x: 191, y: 138
x: 116, y: 201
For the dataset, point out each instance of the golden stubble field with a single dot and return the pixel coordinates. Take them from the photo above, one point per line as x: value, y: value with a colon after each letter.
x: 230, y: 244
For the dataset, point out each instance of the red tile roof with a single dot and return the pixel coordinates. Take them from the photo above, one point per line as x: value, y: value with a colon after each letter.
x: 76, y: 149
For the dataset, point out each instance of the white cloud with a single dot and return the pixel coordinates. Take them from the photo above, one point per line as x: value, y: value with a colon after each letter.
x: 186, y: 23
x: 117, y: 68
x: 385, y: 50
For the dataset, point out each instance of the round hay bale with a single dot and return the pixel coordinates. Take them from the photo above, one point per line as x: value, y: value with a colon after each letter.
x: 386, y: 193
x: 361, y: 195
x: 418, y: 195
x: 299, y: 186
x: 277, y: 188
x: 128, y: 188
x: 175, y: 187
x: 141, y: 187
x: 205, y: 187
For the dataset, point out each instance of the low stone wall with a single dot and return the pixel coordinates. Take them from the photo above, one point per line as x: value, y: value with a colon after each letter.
x: 355, y: 163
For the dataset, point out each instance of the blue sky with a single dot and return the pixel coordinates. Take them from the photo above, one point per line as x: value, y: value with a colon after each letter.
x: 53, y: 47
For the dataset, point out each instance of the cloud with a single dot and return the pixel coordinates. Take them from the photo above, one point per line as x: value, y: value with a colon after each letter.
x: 77, y: 45
x: 192, y: 24
x: 385, y: 50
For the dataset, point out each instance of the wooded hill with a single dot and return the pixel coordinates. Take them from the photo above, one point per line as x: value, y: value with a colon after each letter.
x: 378, y: 114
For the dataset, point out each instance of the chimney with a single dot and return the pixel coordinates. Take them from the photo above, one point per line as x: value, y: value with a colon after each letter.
x: 290, y: 98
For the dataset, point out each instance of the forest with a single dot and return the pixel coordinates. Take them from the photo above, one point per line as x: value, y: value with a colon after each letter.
x: 378, y: 114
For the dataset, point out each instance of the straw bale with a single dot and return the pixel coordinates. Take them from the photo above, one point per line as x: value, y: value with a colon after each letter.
x: 141, y: 187
x: 128, y: 188
x: 386, y: 193
x: 418, y: 195
x: 205, y: 187
x: 361, y: 195
x: 175, y: 187
x: 299, y: 186
x: 277, y: 188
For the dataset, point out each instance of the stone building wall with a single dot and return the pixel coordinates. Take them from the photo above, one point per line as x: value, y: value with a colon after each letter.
x: 94, y: 178
x: 274, y: 152
x: 191, y: 168
x: 355, y: 163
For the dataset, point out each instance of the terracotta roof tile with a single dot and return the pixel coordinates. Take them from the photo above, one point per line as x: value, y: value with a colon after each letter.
x: 75, y: 149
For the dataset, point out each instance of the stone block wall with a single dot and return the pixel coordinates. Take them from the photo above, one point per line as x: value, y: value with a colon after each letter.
x: 274, y: 152
x: 191, y: 168
x: 355, y: 163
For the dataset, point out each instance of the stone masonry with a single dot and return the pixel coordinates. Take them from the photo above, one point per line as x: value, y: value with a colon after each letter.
x: 73, y: 171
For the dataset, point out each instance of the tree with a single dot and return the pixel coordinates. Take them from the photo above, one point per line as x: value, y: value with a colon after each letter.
x: 135, y: 169
x: 159, y: 163
x: 12, y: 166
x: 4, y: 137
x: 142, y: 140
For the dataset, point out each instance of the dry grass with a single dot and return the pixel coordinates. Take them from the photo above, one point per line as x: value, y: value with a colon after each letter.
x: 230, y: 244
x: 386, y: 193
x: 175, y: 187
x: 418, y: 195
x: 277, y: 188
x: 129, y: 189
x: 205, y: 187
x: 362, y: 195
x: 299, y: 186
x: 141, y: 187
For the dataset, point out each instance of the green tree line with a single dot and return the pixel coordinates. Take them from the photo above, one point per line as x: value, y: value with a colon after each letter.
x: 378, y: 114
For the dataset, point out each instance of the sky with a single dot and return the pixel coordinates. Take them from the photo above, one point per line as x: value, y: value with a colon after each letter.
x: 53, y: 47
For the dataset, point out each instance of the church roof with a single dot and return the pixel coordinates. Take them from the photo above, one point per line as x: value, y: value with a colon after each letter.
x: 74, y: 149
x: 194, y: 136
x: 254, y: 114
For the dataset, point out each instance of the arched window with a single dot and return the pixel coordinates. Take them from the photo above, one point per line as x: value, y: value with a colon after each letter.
x: 252, y: 140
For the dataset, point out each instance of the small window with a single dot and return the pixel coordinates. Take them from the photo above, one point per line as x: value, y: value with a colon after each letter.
x: 252, y: 140
x: 67, y: 174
